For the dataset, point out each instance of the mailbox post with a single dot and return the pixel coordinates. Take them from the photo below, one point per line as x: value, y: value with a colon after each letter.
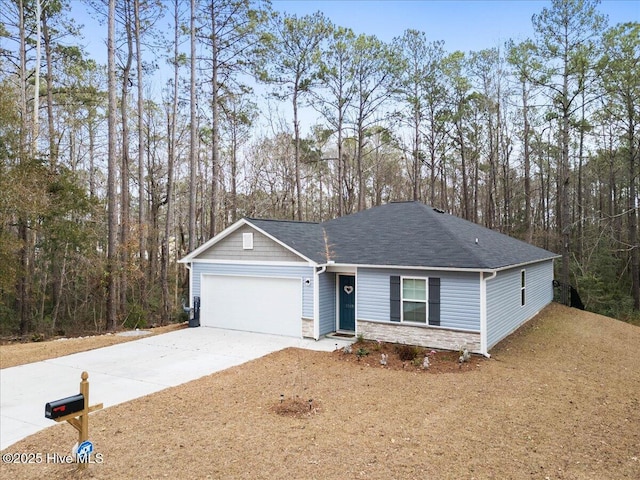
x: 75, y: 410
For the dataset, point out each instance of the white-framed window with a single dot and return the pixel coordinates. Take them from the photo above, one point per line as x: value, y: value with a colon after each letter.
x: 523, y: 288
x: 247, y: 241
x: 414, y: 300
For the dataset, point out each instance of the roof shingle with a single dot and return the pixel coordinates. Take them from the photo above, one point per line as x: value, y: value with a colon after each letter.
x: 403, y: 234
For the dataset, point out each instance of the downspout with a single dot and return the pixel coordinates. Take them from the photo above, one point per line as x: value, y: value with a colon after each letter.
x: 483, y: 312
x: 316, y: 301
x: 190, y: 302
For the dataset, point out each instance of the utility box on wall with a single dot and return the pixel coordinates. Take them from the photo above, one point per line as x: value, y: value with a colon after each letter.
x: 194, y: 313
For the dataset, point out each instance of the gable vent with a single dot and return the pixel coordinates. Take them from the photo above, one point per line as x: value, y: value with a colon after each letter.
x: 247, y: 241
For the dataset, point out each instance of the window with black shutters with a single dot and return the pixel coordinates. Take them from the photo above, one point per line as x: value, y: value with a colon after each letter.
x: 415, y: 300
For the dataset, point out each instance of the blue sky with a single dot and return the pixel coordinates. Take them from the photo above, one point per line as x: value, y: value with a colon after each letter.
x: 463, y: 24
x: 467, y: 25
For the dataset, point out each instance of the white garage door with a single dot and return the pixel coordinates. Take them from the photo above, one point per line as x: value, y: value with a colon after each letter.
x: 253, y: 304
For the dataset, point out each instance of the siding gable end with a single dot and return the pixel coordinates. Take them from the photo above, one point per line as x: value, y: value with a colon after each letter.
x: 264, y: 248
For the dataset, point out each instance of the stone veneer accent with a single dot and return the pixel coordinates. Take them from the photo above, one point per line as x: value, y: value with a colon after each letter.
x: 441, y: 339
x: 307, y: 328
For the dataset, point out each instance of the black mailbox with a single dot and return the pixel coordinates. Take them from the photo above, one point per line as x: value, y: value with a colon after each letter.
x: 64, y: 406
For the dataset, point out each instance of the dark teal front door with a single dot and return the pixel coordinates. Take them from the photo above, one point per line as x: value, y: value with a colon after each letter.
x: 347, y: 303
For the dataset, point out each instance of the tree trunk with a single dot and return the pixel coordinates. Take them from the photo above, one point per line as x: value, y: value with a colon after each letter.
x: 124, y: 174
x: 36, y: 84
x: 359, y: 173
x: 171, y: 154
x: 92, y: 148
x: 579, y: 198
x: 565, y: 218
x: 463, y: 167
x: 527, y: 166
x: 234, y: 171
x: 215, y: 121
x: 341, y: 169
x: 24, y: 123
x: 53, y: 145
x: 296, y: 132
x: 112, y: 173
x: 632, y: 206
x: 142, y: 230
x: 193, y: 136
x: 23, y: 281
x: 416, y: 152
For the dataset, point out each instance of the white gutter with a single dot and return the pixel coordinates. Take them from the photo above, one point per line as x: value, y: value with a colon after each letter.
x: 405, y: 267
x: 330, y: 263
x: 483, y: 312
x: 316, y: 301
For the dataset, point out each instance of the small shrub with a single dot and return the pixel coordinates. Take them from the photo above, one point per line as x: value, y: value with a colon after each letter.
x: 362, y: 352
x: 37, y: 337
x: 136, y: 318
x: 360, y: 338
x: 182, y: 316
x: 407, y: 353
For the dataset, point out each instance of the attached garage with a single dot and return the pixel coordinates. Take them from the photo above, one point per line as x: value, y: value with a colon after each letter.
x: 283, y: 277
x: 255, y: 304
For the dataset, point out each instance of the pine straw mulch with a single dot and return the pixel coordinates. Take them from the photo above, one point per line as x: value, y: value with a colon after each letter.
x: 390, y: 356
x: 393, y: 356
x: 14, y: 352
x: 560, y: 399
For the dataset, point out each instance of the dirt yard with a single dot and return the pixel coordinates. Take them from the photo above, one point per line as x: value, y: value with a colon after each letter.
x: 14, y: 353
x: 560, y: 399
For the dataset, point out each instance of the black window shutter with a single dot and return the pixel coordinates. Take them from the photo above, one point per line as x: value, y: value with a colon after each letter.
x: 394, y: 298
x: 434, y: 301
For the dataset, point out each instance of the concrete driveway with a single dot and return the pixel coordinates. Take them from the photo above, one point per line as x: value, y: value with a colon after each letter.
x: 130, y: 370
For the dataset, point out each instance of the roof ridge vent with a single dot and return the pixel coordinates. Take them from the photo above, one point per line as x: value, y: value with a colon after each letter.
x: 438, y: 210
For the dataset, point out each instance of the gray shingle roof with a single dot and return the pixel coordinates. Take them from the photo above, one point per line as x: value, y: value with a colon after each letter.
x: 304, y: 237
x: 403, y: 234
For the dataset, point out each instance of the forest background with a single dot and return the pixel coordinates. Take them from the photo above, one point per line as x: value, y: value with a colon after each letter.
x: 108, y: 178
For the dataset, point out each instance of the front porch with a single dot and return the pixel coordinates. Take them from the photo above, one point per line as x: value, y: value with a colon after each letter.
x: 340, y: 309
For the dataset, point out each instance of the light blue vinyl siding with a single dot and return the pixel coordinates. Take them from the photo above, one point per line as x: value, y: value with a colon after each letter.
x: 302, y: 272
x: 459, y: 296
x: 327, y: 283
x: 504, y: 310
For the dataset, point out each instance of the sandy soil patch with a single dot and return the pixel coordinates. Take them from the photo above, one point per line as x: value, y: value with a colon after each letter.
x: 18, y: 353
x: 560, y: 399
